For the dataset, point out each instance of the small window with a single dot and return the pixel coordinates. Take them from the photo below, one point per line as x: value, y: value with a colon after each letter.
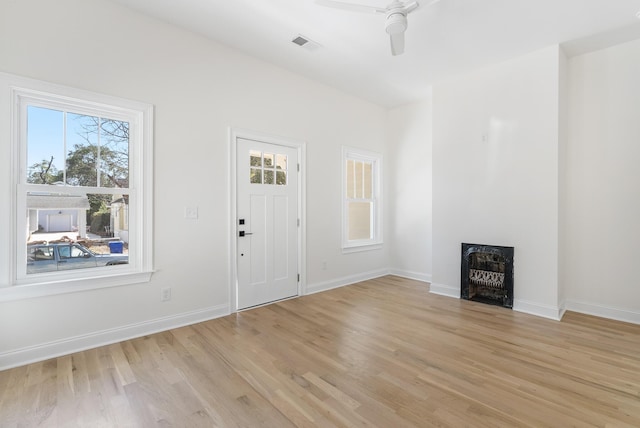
x: 362, y: 227
x: 267, y: 168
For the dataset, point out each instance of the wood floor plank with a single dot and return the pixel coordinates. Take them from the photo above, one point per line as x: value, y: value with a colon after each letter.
x: 380, y: 353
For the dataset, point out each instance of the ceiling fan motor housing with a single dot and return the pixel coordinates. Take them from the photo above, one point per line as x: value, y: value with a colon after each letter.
x: 396, y: 22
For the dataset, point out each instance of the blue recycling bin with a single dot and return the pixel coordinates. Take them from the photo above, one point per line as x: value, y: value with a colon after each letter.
x: 116, y: 247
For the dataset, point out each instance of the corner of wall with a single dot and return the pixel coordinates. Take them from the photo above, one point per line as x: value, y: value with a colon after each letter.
x: 535, y: 308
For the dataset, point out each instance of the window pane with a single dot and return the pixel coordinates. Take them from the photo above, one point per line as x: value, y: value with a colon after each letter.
x: 114, y: 153
x: 93, y: 151
x: 255, y: 176
x: 359, y: 220
x: 268, y: 176
x: 367, y: 181
x: 67, y: 231
x: 62, y: 214
x: 82, y: 150
x: 269, y: 161
x: 53, y: 216
x: 45, y: 145
x: 350, y: 179
x: 281, y: 178
x: 358, y: 178
x: 255, y: 158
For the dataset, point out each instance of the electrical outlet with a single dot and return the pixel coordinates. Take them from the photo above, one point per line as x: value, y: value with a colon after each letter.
x: 324, y: 265
x: 165, y: 294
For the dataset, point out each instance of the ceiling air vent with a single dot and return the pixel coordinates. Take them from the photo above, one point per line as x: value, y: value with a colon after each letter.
x: 305, y: 42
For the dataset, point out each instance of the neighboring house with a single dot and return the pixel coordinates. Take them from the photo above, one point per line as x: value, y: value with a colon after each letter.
x: 57, y: 213
x: 120, y: 217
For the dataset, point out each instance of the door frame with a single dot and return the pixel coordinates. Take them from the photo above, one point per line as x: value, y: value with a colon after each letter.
x: 301, y: 147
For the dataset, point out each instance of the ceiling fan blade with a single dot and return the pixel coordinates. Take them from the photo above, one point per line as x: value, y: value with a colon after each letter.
x: 350, y: 6
x: 410, y: 7
x: 397, y: 43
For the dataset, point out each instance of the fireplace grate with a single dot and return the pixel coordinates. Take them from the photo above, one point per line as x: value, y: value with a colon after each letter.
x: 486, y: 278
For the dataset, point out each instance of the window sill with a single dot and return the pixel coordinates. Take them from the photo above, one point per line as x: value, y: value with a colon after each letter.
x: 360, y: 248
x: 52, y: 288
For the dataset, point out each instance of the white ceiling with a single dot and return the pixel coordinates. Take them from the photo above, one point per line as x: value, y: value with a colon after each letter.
x: 446, y: 38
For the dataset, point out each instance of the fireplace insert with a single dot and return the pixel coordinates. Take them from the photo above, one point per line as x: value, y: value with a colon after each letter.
x: 487, y: 274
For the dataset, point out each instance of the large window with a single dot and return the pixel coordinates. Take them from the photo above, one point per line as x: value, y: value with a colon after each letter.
x: 83, y: 188
x: 361, y: 212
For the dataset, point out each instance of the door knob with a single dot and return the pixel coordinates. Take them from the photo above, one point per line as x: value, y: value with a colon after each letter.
x: 243, y: 233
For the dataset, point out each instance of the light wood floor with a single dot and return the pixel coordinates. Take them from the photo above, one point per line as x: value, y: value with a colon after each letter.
x: 382, y: 353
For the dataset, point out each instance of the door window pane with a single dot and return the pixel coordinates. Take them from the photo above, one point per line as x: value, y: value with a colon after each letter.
x: 255, y: 158
x: 255, y: 176
x: 281, y: 178
x: 269, y: 160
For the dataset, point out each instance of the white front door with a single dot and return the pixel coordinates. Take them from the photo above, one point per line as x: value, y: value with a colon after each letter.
x: 267, y: 222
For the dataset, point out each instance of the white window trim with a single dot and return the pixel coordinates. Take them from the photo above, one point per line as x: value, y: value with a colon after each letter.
x: 34, y: 92
x: 377, y: 240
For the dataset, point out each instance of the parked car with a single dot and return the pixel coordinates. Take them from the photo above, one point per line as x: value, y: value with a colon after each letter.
x: 66, y: 256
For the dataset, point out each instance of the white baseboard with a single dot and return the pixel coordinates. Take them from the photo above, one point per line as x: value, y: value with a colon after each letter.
x: 518, y: 305
x: 58, y: 348
x: 54, y: 349
x: 445, y: 290
x: 562, y: 309
x: 533, y: 308
x: 418, y: 276
x: 345, y: 280
x: 603, y: 311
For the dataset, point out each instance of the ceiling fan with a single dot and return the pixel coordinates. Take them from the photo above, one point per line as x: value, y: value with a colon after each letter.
x: 395, y: 17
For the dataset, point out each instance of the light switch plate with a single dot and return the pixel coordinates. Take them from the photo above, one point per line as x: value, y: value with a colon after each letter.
x: 191, y: 213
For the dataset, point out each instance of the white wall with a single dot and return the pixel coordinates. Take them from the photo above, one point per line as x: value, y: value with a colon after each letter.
x: 409, y: 163
x: 495, y: 174
x: 199, y: 89
x: 603, y: 182
x: 492, y: 150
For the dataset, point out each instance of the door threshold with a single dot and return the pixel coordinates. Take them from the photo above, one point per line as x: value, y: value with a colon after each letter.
x: 268, y: 303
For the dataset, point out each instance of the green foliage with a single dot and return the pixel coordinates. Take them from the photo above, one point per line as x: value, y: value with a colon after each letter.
x: 99, y: 203
x: 82, y: 167
x: 113, y: 153
x: 98, y: 221
x: 44, y: 173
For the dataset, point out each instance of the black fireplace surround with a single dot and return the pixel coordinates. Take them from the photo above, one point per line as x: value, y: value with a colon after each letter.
x: 487, y: 274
